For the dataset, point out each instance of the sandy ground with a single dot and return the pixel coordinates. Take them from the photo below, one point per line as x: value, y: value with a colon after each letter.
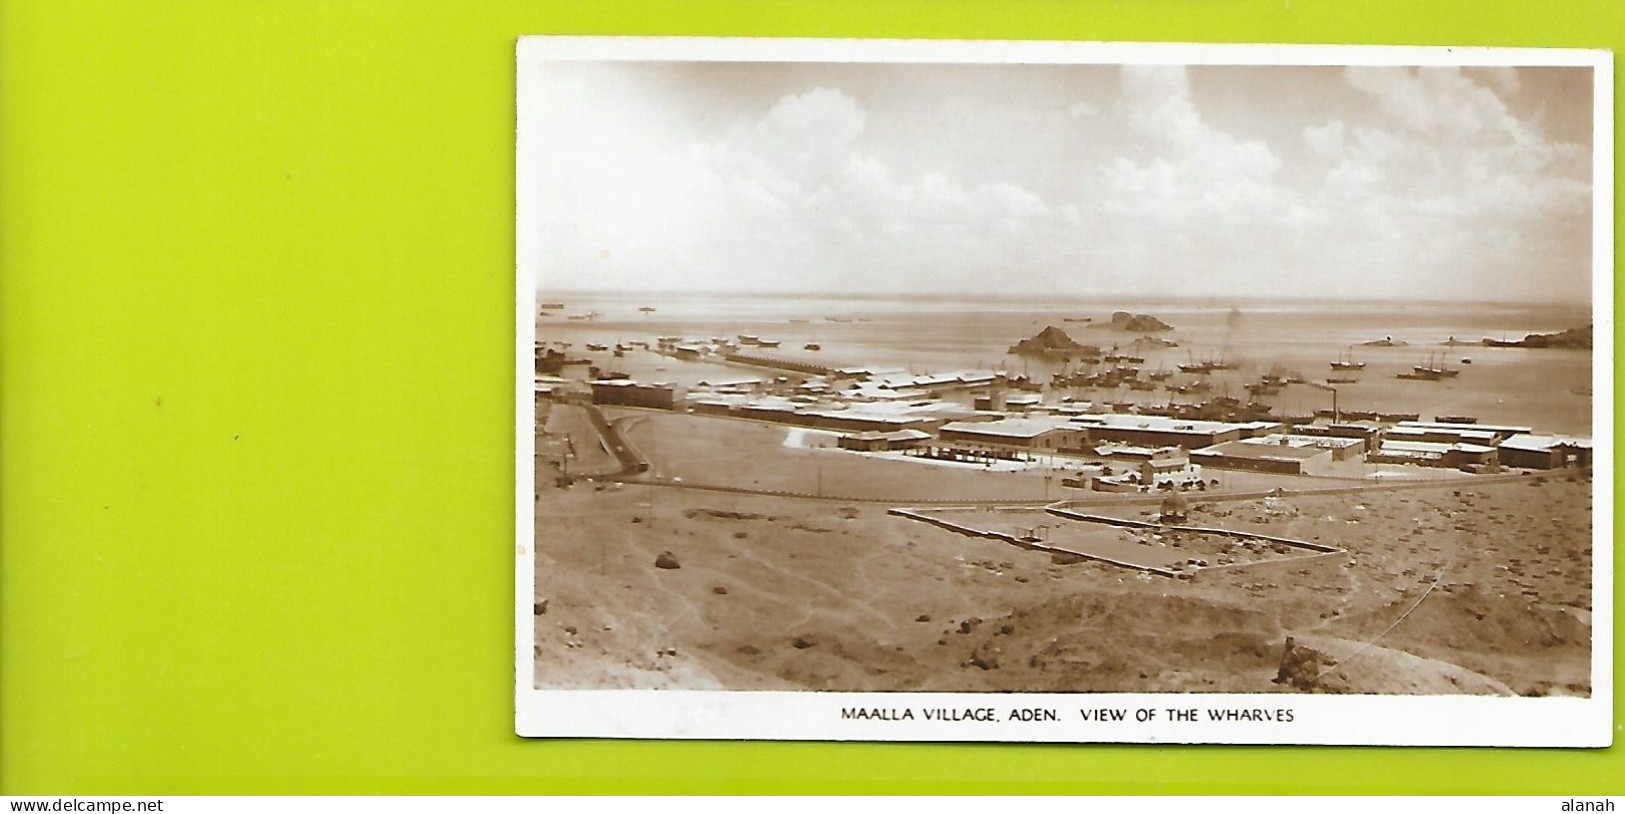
x: 781, y: 593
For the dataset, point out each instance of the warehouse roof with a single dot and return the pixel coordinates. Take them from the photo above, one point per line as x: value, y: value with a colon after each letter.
x: 1433, y: 448
x: 1466, y: 432
x: 1451, y: 425
x: 1008, y: 427
x: 1261, y: 452
x: 1542, y: 443
x: 1153, y: 423
x: 895, y: 435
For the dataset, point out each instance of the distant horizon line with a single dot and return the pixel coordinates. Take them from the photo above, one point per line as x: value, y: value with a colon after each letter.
x: 1588, y: 303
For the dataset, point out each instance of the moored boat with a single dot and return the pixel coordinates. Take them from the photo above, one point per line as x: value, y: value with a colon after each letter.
x: 1347, y: 362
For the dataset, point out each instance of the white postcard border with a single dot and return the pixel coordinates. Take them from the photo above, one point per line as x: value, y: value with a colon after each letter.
x: 1146, y: 718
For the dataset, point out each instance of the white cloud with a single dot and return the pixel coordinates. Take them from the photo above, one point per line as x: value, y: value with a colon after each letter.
x: 1195, y: 167
x: 794, y: 194
x: 1459, y: 149
x: 1326, y: 140
x: 1412, y: 175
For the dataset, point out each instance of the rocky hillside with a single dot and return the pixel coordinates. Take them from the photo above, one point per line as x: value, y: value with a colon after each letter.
x: 1045, y: 341
x: 1141, y: 323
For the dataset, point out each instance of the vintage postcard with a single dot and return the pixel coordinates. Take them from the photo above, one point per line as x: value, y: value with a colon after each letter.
x: 965, y: 391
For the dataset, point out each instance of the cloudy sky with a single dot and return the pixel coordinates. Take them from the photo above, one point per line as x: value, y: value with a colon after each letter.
x: 1031, y: 180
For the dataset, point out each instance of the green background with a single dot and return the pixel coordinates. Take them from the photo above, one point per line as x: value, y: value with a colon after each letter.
x: 256, y: 490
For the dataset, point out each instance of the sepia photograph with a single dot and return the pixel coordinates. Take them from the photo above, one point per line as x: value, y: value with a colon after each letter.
x: 1063, y: 392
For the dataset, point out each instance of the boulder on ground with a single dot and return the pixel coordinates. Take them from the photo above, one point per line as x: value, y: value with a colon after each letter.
x: 1326, y: 664
x: 667, y: 560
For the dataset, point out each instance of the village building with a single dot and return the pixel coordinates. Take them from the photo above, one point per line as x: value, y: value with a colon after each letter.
x: 1159, y: 431
x: 1369, y: 433
x: 1434, y: 433
x: 1528, y: 451
x: 1433, y: 453
x: 1279, y: 454
x: 1454, y: 432
x: 860, y: 420
x: 1170, y: 467
x: 735, y: 385
x: 873, y: 441
x: 1000, y: 401
x: 1011, y: 434
x: 628, y: 393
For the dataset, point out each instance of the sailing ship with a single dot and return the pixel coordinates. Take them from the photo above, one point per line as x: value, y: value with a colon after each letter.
x: 1347, y: 362
x: 1434, y: 369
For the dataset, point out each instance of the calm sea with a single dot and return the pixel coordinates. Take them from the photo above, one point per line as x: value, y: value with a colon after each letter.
x: 1546, y: 389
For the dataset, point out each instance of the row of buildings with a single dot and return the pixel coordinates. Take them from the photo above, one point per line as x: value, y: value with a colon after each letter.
x: 904, y: 415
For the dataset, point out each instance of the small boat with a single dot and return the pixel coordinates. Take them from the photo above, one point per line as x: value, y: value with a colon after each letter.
x: 552, y: 306
x: 1347, y: 362
x: 596, y: 346
x: 1431, y: 372
x: 1206, y: 366
x: 811, y: 346
x: 1341, y: 380
x: 647, y: 309
x: 767, y: 343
